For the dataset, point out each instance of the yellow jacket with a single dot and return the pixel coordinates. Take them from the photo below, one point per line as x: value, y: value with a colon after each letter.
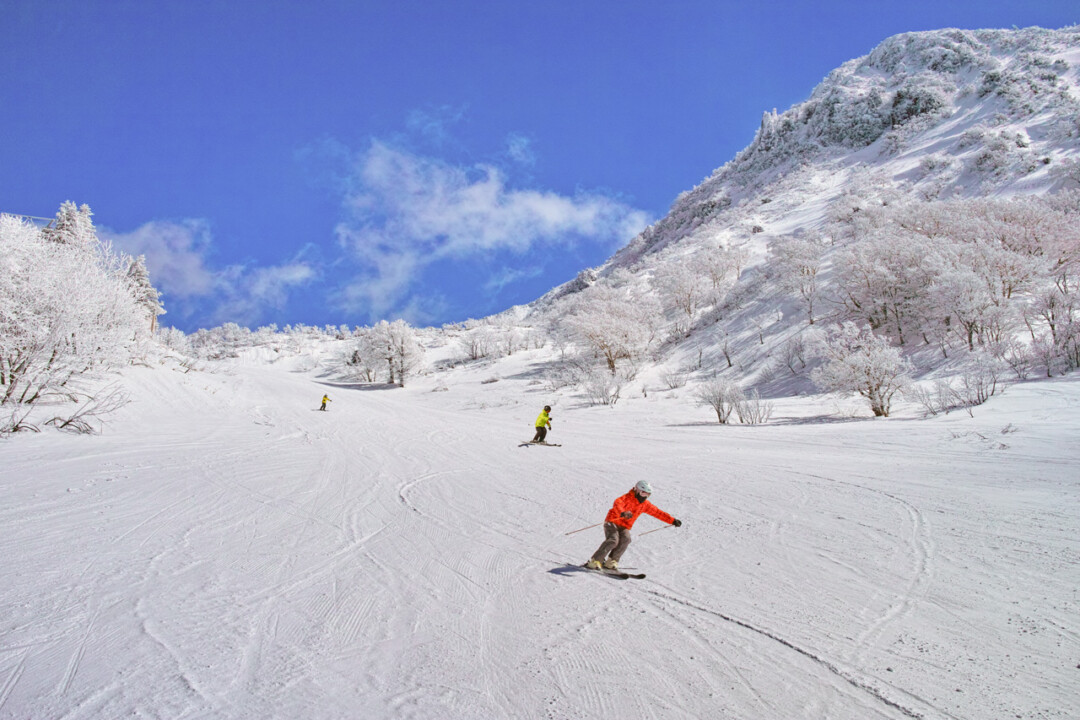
x: 544, y: 420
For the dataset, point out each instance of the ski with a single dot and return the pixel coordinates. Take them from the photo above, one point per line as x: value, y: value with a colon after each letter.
x: 530, y: 442
x: 617, y: 574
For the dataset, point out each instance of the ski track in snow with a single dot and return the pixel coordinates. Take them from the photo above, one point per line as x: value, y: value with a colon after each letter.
x: 397, y: 557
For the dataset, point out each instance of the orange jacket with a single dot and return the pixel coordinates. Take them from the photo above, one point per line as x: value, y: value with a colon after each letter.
x: 630, y: 503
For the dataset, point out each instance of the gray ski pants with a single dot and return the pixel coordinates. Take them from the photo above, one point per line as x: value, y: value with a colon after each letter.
x: 616, y: 540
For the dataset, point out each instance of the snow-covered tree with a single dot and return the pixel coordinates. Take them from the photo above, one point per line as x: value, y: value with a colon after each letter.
x: 723, y: 265
x: 396, y: 344
x: 72, y: 226
x: 365, y: 356
x: 856, y: 360
x: 146, y: 295
x: 478, y: 342
x: 799, y: 259
x: 613, y: 323
x: 684, y: 286
x: 66, y: 308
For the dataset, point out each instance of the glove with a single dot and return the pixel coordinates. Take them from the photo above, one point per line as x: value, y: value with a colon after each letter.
x: 628, y: 515
x: 677, y: 523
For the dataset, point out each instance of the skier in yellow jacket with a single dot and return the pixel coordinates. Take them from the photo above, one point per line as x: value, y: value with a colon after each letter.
x: 543, y: 424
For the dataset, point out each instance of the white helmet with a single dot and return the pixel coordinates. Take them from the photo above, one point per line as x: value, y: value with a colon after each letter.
x: 643, y: 488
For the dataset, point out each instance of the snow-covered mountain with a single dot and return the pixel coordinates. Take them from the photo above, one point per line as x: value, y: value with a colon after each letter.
x: 927, y: 115
x: 982, y: 127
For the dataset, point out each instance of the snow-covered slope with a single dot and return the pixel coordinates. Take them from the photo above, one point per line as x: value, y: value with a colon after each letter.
x: 225, y: 550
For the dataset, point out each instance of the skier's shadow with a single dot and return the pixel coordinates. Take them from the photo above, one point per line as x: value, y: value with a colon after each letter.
x: 566, y: 570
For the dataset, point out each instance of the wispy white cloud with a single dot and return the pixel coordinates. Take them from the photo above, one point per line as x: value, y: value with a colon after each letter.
x: 408, y: 211
x: 177, y: 259
x: 175, y: 255
x: 434, y: 124
x: 508, y: 276
x: 519, y: 148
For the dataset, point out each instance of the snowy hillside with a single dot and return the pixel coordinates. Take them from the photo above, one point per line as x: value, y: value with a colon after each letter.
x: 910, y: 172
x: 226, y: 550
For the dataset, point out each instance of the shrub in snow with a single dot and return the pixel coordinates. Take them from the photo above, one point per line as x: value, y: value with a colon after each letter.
x: 856, y: 360
x: 722, y: 395
x: 15, y: 420
x: 674, y: 379
x: 1003, y: 155
x: 938, y: 398
x: 930, y: 164
x: 752, y: 410
x: 978, y: 381
x: 602, y: 388
x: 87, y: 418
x: 793, y: 354
x: 915, y: 98
x: 1017, y: 356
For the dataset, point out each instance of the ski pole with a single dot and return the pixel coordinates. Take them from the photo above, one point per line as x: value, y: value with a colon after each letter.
x: 584, y: 528
x: 656, y: 530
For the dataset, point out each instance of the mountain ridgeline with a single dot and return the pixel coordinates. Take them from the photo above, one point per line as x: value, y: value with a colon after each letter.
x: 924, y: 199
x: 933, y: 115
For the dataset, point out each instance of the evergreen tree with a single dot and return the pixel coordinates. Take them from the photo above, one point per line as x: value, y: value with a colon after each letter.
x: 146, y: 295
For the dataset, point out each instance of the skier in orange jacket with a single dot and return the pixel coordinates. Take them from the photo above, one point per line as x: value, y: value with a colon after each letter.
x: 619, y: 520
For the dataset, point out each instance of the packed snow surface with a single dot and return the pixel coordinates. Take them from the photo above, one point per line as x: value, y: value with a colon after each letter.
x: 225, y: 550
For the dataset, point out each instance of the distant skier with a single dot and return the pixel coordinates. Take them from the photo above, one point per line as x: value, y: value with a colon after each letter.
x: 619, y: 520
x: 325, y: 399
x: 543, y: 424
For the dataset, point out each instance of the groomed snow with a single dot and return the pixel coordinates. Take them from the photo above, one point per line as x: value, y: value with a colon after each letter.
x: 224, y: 550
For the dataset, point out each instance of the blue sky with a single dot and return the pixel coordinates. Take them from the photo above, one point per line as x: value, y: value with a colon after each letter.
x: 342, y: 162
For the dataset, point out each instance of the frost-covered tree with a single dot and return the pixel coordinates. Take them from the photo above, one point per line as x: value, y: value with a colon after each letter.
x: 722, y: 395
x: 366, y: 355
x: 66, y: 309
x: 146, y: 295
x: 478, y: 342
x: 882, y: 280
x: 396, y: 344
x: 856, y: 360
x: 799, y: 260
x: 723, y: 265
x: 965, y: 298
x: 613, y: 323
x: 72, y: 226
x: 174, y: 339
x: 683, y: 285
